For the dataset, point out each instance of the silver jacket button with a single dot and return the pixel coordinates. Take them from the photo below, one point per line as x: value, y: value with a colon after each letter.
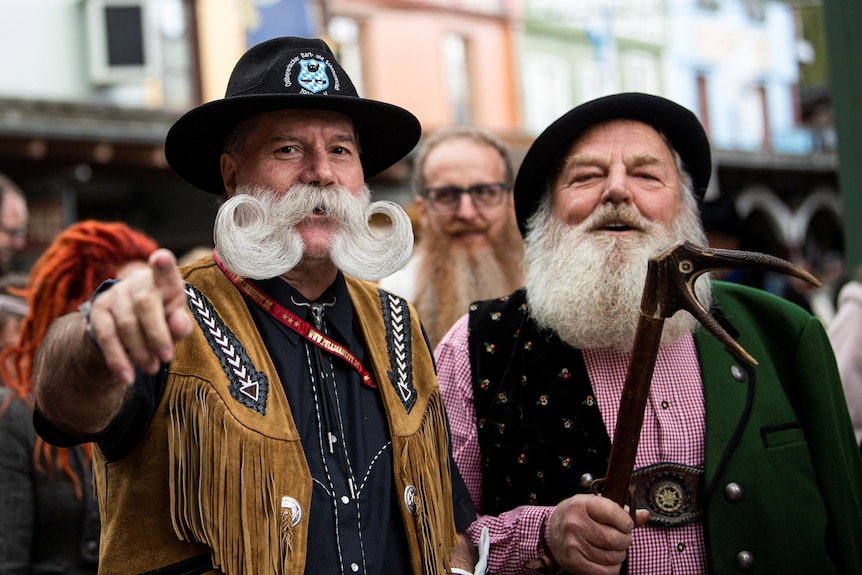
x: 410, y: 499
x: 744, y: 560
x: 737, y: 372
x: 586, y: 480
x: 733, y: 492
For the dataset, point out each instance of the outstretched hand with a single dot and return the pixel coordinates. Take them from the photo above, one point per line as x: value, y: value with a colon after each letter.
x: 141, y: 318
x: 588, y: 534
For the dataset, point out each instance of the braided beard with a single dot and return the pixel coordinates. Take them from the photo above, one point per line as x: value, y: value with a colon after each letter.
x: 587, y: 287
x: 256, y: 236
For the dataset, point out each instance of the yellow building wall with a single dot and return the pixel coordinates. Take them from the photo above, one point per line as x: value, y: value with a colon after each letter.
x: 222, y: 40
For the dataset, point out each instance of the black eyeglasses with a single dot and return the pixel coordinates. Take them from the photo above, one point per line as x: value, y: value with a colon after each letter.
x: 448, y: 198
x: 14, y: 232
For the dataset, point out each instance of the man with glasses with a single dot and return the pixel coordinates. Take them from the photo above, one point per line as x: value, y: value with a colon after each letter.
x: 469, y: 248
x: 13, y: 221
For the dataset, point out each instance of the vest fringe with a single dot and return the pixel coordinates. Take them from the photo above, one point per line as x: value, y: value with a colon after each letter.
x: 231, y: 507
x: 421, y: 452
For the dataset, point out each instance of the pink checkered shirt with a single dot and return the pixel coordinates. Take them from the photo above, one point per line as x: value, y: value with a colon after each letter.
x: 673, y: 431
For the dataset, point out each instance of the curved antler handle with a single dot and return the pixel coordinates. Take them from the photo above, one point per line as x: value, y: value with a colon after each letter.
x: 669, y: 287
x: 672, y: 273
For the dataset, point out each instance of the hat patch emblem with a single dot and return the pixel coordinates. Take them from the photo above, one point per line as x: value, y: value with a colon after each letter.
x: 314, y: 74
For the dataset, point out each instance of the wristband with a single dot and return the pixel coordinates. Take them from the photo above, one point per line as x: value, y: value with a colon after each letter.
x: 86, y: 307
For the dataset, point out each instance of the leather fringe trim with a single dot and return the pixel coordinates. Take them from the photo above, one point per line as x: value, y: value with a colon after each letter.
x: 230, y: 505
x: 420, y: 455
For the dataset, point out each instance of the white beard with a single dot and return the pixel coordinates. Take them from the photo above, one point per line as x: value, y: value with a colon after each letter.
x: 587, y: 287
x: 255, y: 231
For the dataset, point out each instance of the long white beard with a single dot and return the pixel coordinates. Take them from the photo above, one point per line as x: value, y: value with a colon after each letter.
x: 587, y: 287
x: 255, y: 231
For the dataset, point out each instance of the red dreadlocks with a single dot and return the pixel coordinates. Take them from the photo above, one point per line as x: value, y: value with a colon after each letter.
x: 79, y: 259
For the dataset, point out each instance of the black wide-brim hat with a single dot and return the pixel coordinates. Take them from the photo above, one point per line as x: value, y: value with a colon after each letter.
x: 286, y: 74
x: 678, y: 124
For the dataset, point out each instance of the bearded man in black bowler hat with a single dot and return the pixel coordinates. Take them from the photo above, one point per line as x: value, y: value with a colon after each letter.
x: 739, y: 467
x: 265, y: 409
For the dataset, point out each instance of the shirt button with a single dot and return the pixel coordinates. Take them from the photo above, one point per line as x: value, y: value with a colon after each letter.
x: 680, y: 547
x: 345, y: 499
x: 744, y: 560
x: 354, y: 567
x: 664, y: 405
x: 586, y: 480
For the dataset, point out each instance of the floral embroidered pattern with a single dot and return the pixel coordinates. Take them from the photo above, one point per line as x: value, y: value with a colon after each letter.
x: 540, y: 429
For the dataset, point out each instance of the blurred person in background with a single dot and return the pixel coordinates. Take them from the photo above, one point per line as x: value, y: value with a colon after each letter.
x: 13, y: 221
x: 13, y: 307
x: 49, y: 519
x: 845, y: 332
x: 469, y: 248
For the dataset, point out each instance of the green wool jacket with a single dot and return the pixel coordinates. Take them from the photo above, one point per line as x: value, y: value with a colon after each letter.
x: 783, y: 435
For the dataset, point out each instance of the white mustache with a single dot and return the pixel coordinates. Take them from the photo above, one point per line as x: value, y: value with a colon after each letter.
x: 255, y: 232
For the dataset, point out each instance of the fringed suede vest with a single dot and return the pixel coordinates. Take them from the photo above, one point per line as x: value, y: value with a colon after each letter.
x: 539, y: 425
x: 215, y: 475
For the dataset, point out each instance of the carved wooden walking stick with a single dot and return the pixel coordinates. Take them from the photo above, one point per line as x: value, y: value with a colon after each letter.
x: 669, y: 287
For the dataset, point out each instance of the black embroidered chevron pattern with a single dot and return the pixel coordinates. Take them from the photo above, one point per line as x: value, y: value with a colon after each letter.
x: 247, y: 385
x: 396, y: 317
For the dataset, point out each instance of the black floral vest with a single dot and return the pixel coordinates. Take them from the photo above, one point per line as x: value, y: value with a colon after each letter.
x: 540, y: 429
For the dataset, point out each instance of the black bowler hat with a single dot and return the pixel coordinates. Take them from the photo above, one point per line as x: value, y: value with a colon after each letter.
x: 284, y: 74
x: 679, y: 125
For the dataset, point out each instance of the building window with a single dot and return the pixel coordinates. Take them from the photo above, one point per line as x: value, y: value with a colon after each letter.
x: 703, y: 101
x: 346, y: 39
x: 547, y: 99
x: 123, y: 40
x: 764, y: 105
x: 756, y: 11
x: 457, y: 78
x: 640, y: 72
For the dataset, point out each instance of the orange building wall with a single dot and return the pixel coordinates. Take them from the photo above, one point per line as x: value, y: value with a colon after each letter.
x: 403, y: 63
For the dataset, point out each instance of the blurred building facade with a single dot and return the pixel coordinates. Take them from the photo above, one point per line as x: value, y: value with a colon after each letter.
x: 88, y: 94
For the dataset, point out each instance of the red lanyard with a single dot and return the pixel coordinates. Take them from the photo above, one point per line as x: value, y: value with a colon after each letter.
x: 296, y: 323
